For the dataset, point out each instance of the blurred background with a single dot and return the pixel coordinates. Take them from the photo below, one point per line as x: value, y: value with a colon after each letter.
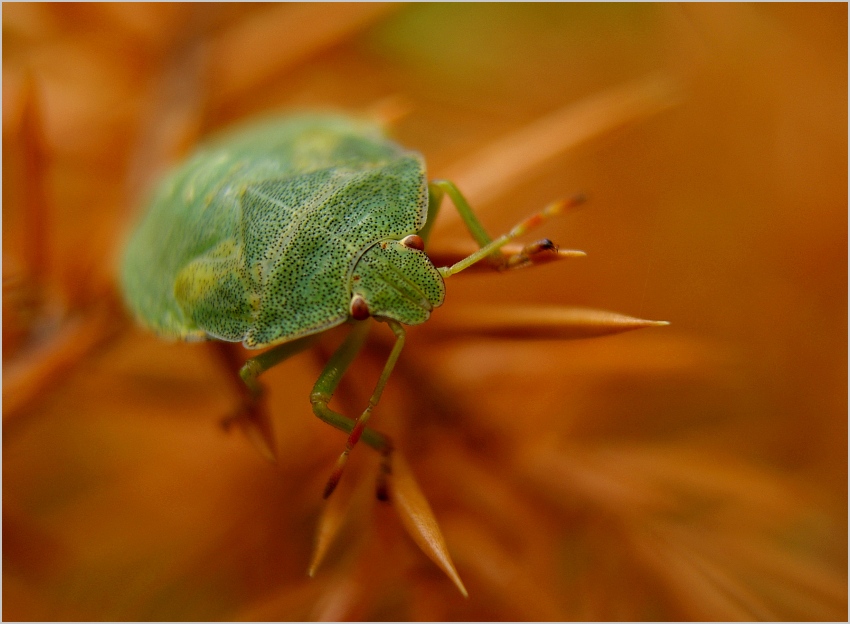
x: 696, y: 471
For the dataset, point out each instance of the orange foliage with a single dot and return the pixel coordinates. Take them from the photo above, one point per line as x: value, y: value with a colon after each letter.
x: 697, y: 471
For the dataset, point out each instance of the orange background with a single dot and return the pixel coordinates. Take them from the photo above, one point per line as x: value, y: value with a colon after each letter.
x: 697, y: 471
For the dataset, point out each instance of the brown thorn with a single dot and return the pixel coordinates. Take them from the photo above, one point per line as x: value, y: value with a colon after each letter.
x: 534, y: 323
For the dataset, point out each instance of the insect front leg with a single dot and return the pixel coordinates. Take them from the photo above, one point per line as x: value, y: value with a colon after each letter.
x: 325, y: 387
x: 489, y: 248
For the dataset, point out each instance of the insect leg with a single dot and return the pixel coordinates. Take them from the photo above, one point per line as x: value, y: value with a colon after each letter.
x: 490, y: 248
x: 327, y: 383
x: 360, y: 424
x: 436, y: 190
x: 256, y: 366
x: 251, y: 415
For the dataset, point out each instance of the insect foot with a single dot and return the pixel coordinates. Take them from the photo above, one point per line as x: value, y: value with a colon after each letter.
x: 533, y: 253
x: 382, y: 492
x: 254, y: 421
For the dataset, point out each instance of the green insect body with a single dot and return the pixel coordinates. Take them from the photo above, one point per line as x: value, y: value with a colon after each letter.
x: 287, y: 228
x: 265, y: 236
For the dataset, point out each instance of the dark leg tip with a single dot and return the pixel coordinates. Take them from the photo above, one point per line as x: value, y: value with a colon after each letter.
x: 331, y: 486
x: 382, y: 493
x: 546, y: 244
x: 382, y: 490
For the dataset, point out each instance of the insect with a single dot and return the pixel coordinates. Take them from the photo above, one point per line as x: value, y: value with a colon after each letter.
x: 286, y: 228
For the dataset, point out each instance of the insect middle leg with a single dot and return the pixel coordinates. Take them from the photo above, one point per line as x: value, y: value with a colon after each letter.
x: 489, y: 248
x: 251, y: 415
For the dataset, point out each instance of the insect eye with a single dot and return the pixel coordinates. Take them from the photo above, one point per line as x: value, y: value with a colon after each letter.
x: 413, y: 241
x: 359, y: 308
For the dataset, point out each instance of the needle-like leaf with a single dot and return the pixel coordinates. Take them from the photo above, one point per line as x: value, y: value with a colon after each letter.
x: 36, y: 210
x: 241, y: 60
x: 330, y: 522
x: 523, y: 322
x: 505, y: 163
x: 418, y: 519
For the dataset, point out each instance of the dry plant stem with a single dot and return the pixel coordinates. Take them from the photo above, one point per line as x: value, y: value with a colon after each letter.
x: 52, y: 340
x: 29, y: 307
x: 390, y: 110
x: 242, y: 62
x: 35, y: 203
x: 506, y: 162
x: 176, y: 112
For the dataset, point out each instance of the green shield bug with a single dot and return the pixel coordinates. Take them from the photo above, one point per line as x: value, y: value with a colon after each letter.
x: 273, y: 233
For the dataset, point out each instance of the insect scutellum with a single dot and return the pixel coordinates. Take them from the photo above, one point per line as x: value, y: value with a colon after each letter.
x: 275, y: 233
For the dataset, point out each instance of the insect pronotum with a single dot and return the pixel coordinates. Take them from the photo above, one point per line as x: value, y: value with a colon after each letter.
x: 286, y: 228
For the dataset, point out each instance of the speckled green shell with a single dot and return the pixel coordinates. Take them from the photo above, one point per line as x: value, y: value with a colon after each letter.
x: 264, y: 235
